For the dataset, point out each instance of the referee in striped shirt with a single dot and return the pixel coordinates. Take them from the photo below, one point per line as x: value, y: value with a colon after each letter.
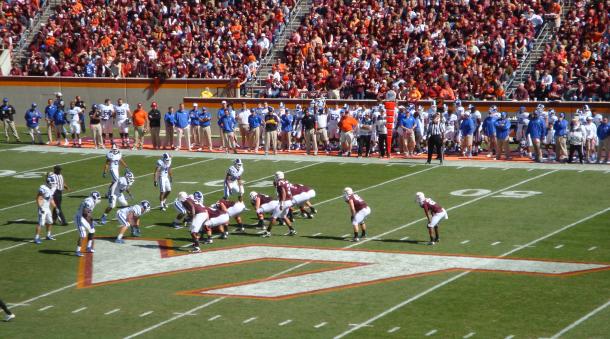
x: 436, y: 132
x: 58, y: 213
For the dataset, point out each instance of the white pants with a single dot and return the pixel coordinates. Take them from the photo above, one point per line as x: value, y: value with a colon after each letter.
x: 123, y: 218
x: 300, y: 199
x: 123, y: 126
x: 45, y: 217
x: 236, y: 209
x: 82, y: 226
x: 179, y: 207
x: 268, y: 207
x: 113, y: 199
x: 75, y: 128
x: 436, y: 218
x: 361, y: 216
x: 165, y: 185
x: 281, y: 213
x: 198, y: 221
x: 219, y: 220
x: 233, y: 187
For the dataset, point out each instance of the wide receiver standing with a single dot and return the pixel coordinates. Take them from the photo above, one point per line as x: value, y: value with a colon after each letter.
x: 233, y: 183
x: 84, y: 222
x: 45, y: 203
x: 114, y: 158
x: 163, y: 178
x: 359, y: 212
x: 434, y: 213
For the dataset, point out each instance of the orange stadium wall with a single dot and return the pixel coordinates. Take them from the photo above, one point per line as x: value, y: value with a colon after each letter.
x: 22, y: 91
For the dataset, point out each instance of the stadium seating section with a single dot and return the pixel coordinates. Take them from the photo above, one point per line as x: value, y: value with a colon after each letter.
x: 15, y: 18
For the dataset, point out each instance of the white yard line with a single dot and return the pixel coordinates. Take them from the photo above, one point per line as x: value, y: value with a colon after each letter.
x: 592, y: 248
x: 146, y: 313
x: 321, y: 324
x: 469, y: 335
x: 112, y: 311
x: 458, y: 276
x: 558, y: 246
x: 496, y: 243
x: 431, y: 333
x: 465, y: 242
x: 45, y: 295
x: 285, y: 322
x: 79, y: 309
x: 42, y: 309
x: 506, y: 169
x: 581, y: 320
x: 315, y: 235
x: 62, y: 163
x: 249, y: 320
x: 393, y: 329
x: 345, y: 235
x: 214, y: 317
x: 404, y: 238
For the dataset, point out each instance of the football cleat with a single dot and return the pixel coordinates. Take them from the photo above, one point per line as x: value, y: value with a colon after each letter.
x: 90, y: 250
x: 313, y: 210
x: 177, y: 226
x: 291, y: 233
x: 224, y: 236
x: 50, y: 237
x: 78, y: 253
x: 240, y: 230
x: 266, y: 234
x: 431, y: 243
x: 9, y: 317
x: 119, y: 241
x: 208, y: 241
x: 355, y: 239
x: 37, y: 241
x: 103, y: 220
x: 196, y: 250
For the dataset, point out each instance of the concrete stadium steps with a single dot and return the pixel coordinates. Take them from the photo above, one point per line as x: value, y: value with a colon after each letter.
x: 21, y: 52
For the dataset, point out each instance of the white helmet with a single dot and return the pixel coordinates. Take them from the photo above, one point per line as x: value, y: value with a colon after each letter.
x: 279, y: 175
x: 420, y: 197
x: 182, y: 196
x: 347, y: 192
x: 114, y: 148
x: 238, y: 163
x: 253, y: 196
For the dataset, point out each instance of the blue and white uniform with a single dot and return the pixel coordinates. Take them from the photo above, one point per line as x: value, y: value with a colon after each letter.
x: 82, y: 225
x: 115, y: 193
x: 115, y: 159
x: 123, y: 214
x: 106, y: 117
x: 45, y: 217
x: 334, y: 115
x: 122, y: 120
x: 231, y: 185
x: 164, y: 183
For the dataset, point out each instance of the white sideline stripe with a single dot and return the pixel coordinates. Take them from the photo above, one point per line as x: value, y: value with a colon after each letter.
x: 146, y: 313
x: 465, y: 242
x: 315, y: 235
x: 592, y: 248
x: 45, y: 295
x: 393, y: 329
x: 441, y: 284
x: 42, y: 309
x: 214, y: 317
x: 412, y: 165
x: 321, y: 324
x: 581, y: 171
x: 469, y: 335
x: 285, y: 322
x: 276, y: 160
x: 404, y: 238
x: 366, y: 164
x: 558, y: 246
x: 175, y: 317
x: 341, y: 164
x: 581, y: 320
x: 431, y: 333
x: 496, y: 243
x: 113, y: 311
x: 506, y: 169
x: 388, y: 165
x: 63, y: 163
x: 79, y: 309
x: 483, y: 168
x: 531, y: 169
x: 249, y: 320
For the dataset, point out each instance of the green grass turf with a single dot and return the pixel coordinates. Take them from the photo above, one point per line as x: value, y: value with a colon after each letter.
x: 489, y: 304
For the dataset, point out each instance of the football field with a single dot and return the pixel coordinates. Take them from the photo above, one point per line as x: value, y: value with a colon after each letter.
x: 525, y: 253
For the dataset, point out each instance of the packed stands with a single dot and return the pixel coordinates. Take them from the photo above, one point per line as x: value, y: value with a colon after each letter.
x: 15, y: 18
x: 165, y: 39
x: 576, y: 63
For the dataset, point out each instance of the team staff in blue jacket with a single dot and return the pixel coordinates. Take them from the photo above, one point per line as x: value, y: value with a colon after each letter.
x: 59, y: 120
x: 183, y: 124
x: 254, y: 123
x: 502, y: 126
x: 286, y: 121
x: 227, y: 125
x: 536, y: 132
x: 205, y: 122
x: 405, y: 125
x: 561, y: 137
x: 603, y: 136
x: 49, y: 115
x: 467, y: 128
x: 195, y: 122
x: 32, y: 120
x: 170, y: 122
x: 489, y: 132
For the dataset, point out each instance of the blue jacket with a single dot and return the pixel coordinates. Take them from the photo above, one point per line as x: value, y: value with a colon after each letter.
x: 205, y: 115
x: 502, y: 128
x: 32, y: 117
x: 536, y: 129
x: 49, y: 112
x: 405, y: 121
x: 489, y: 126
x: 286, y: 122
x: 182, y: 119
x: 60, y: 117
x: 170, y: 119
x: 254, y: 121
x: 467, y: 126
x: 603, y: 131
x: 194, y: 117
x: 220, y: 113
x: 227, y: 123
x: 561, y: 128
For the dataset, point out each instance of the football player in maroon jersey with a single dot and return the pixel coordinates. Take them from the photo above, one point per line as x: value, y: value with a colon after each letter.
x: 301, y: 195
x: 234, y: 210
x: 285, y: 202
x: 198, y: 213
x: 218, y: 219
x: 434, y: 213
x: 359, y: 211
x: 262, y: 204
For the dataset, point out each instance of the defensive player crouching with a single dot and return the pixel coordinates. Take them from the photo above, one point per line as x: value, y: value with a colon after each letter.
x: 301, y: 196
x: 359, y: 212
x: 180, y: 205
x: 217, y: 219
x: 262, y: 204
x: 163, y: 178
x: 434, y: 213
x: 130, y: 217
x: 285, y: 202
x: 44, y: 200
x: 234, y: 210
x: 198, y: 213
x: 84, y: 222
x: 233, y: 183
x: 116, y: 194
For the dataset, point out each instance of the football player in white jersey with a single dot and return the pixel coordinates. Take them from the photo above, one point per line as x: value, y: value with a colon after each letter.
x: 334, y: 115
x: 233, y: 183
x: 73, y: 116
x: 180, y: 206
x: 123, y: 119
x: 296, y: 127
x: 116, y: 194
x: 107, y: 116
x: 163, y: 178
x: 45, y: 203
x: 130, y: 217
x: 84, y: 222
x: 114, y: 159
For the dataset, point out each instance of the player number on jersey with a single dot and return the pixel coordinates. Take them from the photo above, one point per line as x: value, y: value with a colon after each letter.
x: 477, y: 192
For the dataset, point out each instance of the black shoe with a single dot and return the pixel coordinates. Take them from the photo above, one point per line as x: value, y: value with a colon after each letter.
x: 313, y: 210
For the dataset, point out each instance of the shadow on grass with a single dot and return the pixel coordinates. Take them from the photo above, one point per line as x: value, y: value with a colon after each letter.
x: 22, y: 222
x: 58, y: 252
x: 15, y: 239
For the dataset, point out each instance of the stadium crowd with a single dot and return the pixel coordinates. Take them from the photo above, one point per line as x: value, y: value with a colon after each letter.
x: 575, y: 65
x: 163, y: 39
x: 541, y: 135
x: 15, y: 18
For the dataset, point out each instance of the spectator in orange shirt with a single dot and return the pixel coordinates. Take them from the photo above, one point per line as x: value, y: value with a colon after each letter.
x: 347, y: 124
x: 140, y: 125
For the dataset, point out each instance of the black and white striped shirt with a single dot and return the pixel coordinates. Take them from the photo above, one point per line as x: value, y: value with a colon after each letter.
x: 436, y: 128
x: 59, y: 179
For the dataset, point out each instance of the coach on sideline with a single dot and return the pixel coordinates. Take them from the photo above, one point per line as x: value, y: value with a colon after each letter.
x: 58, y: 213
x: 154, y: 120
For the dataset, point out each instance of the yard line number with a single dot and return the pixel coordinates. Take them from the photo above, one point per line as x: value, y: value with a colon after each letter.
x: 477, y: 192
